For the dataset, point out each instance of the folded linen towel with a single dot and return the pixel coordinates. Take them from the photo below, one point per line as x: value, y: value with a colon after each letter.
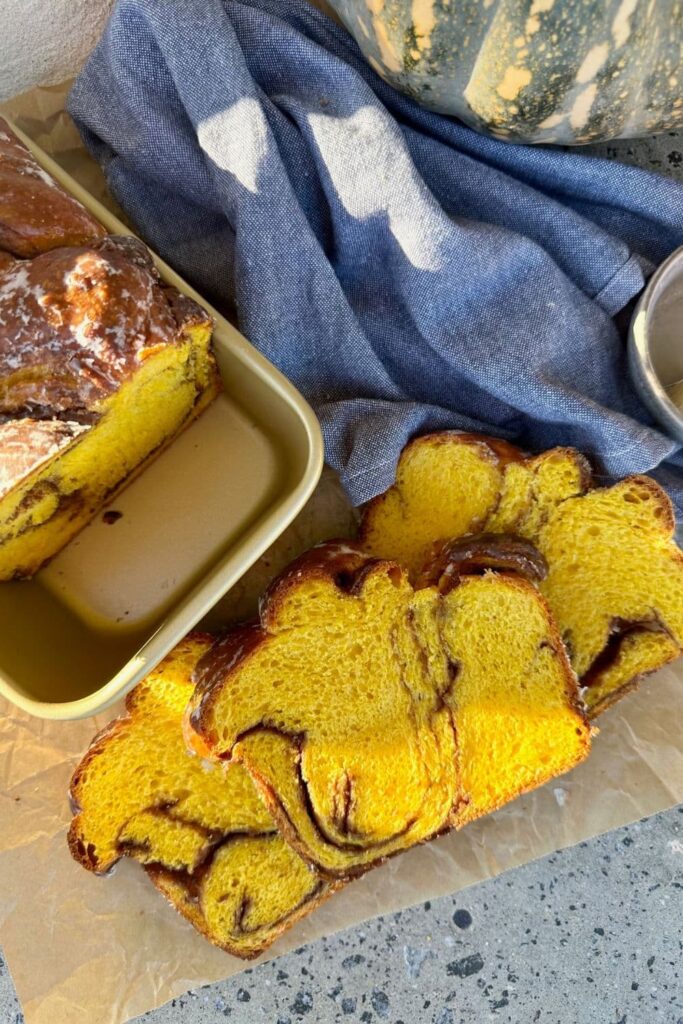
x: 405, y: 272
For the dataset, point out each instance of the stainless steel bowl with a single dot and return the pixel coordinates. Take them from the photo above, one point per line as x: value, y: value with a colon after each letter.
x: 655, y: 343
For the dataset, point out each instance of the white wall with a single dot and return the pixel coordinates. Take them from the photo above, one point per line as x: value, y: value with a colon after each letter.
x: 42, y: 42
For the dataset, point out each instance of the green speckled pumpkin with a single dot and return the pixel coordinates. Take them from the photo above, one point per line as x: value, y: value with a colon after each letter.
x: 563, y: 71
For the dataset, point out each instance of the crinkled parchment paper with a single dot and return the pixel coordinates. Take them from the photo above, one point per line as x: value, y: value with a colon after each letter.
x: 87, y: 950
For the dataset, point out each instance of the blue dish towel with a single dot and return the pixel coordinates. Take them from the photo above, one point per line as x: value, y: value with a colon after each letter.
x: 406, y: 273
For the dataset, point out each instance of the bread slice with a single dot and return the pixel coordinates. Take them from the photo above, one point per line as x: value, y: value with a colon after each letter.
x: 100, y: 366
x: 202, y: 832
x: 373, y: 716
x: 615, y: 575
x: 450, y: 485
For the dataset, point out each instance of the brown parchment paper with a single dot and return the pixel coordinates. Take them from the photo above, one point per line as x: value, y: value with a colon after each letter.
x: 87, y: 950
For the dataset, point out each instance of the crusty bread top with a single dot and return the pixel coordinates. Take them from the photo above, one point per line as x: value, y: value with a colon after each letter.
x: 35, y: 213
x: 6, y: 261
x: 27, y: 444
x: 475, y: 553
x: 75, y: 323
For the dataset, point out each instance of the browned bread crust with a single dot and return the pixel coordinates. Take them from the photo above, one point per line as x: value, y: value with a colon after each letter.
x: 35, y: 213
x: 26, y: 444
x: 101, y: 363
x: 475, y: 553
x: 6, y: 261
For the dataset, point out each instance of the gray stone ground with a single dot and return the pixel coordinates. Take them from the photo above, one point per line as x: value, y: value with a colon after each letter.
x: 591, y: 935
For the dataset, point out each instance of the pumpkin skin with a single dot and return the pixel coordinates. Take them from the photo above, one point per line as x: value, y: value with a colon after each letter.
x: 559, y: 71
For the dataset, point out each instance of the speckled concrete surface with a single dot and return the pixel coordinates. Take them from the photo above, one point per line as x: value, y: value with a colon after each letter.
x: 591, y: 935
x: 661, y: 153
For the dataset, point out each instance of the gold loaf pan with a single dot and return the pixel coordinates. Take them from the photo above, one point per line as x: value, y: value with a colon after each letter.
x: 118, y: 597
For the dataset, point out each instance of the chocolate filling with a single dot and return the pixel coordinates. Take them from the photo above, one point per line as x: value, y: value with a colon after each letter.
x: 474, y: 555
x: 620, y: 631
x: 323, y: 835
x: 343, y: 804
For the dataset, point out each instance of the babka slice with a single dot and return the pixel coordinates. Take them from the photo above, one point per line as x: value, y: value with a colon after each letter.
x: 100, y: 366
x: 35, y: 213
x: 373, y: 716
x: 615, y: 575
x: 202, y: 832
